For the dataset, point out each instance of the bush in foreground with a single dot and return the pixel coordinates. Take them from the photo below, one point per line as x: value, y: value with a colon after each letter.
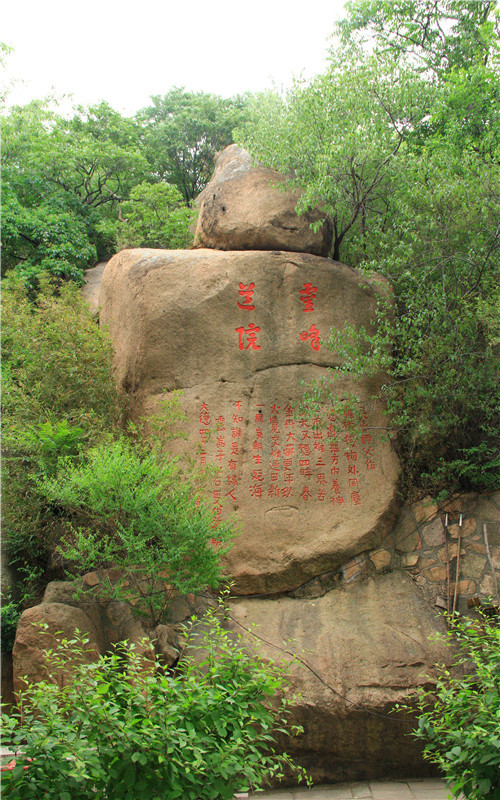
x: 59, y: 397
x: 459, y: 719
x: 136, y: 512
x: 119, y: 728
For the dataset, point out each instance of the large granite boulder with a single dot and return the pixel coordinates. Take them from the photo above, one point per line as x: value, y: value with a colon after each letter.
x: 247, y: 207
x: 360, y: 649
x: 38, y: 630
x: 239, y: 333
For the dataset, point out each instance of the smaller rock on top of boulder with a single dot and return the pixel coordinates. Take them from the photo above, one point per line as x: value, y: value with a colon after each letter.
x: 246, y: 207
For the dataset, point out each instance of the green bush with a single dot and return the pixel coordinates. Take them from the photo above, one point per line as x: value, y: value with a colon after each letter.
x: 121, y: 729
x: 139, y: 513
x: 58, y: 395
x: 57, y: 362
x: 459, y: 719
x: 57, y: 441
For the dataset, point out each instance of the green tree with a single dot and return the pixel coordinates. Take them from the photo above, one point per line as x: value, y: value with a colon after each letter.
x: 67, y: 178
x: 5, y: 50
x: 44, y: 239
x: 442, y: 258
x: 433, y: 35
x: 183, y: 132
x: 338, y: 138
x: 88, y: 161
x: 413, y: 190
x: 155, y: 216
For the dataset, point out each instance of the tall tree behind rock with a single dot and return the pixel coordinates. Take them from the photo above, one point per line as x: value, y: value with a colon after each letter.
x: 436, y: 36
x: 399, y: 141
x: 183, y: 131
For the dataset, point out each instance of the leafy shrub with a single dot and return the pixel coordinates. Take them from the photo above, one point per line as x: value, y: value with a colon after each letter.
x: 10, y: 613
x: 136, y: 512
x: 119, y: 729
x: 57, y: 441
x: 459, y: 719
x: 58, y: 394
x: 46, y: 238
x: 58, y: 363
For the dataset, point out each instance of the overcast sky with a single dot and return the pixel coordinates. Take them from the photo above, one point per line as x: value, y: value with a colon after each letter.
x: 123, y: 52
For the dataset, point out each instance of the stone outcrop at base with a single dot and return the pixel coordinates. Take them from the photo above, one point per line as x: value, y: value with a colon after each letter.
x: 85, y: 606
x: 367, y: 646
x: 59, y: 621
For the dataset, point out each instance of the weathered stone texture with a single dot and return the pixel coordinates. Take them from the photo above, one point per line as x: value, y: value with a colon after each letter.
x: 248, y: 207
x: 368, y: 646
x: 92, y: 288
x: 65, y: 608
x: 179, y: 321
x: 29, y: 660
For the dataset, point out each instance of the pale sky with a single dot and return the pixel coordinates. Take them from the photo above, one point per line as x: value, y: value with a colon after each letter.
x: 123, y: 52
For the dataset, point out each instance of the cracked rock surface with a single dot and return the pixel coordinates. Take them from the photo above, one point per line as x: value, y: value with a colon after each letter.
x: 358, y: 650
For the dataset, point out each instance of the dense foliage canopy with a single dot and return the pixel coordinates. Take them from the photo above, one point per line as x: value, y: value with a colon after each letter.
x: 399, y: 142
x: 75, y: 189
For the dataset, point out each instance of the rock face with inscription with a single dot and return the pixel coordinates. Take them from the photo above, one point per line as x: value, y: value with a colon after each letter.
x: 238, y: 333
x: 237, y: 330
x: 244, y: 207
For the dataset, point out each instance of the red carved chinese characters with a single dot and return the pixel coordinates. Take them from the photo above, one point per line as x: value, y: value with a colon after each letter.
x: 313, y: 335
x: 247, y: 337
x: 246, y: 293
x: 220, y: 442
x: 204, y: 431
x: 257, y: 476
x: 307, y: 460
x: 351, y: 457
x: 307, y: 296
x: 204, y: 415
x: 288, y: 452
x: 232, y: 482
x: 366, y: 440
x: 275, y: 453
